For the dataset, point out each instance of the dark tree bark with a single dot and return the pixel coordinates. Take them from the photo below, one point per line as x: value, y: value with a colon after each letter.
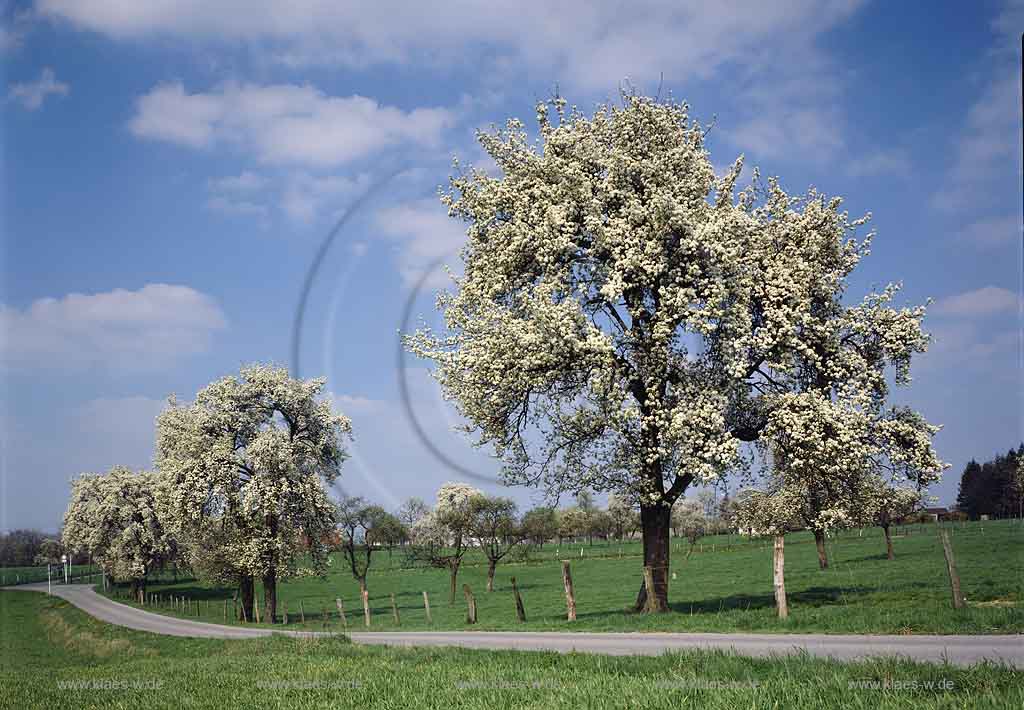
x: 246, y: 592
x: 819, y: 541
x: 453, y: 576
x: 655, y: 524
x: 888, y: 543
x: 270, y: 578
x: 270, y: 595
x: 491, y: 564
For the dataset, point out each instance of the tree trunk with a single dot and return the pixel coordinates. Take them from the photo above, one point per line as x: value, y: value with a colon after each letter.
x: 246, y: 589
x: 888, y: 543
x: 490, y: 575
x: 780, y: 578
x: 655, y: 522
x: 270, y: 595
x: 453, y: 576
x: 819, y: 542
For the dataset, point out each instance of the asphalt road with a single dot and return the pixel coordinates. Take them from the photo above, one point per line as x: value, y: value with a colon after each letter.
x: 958, y: 650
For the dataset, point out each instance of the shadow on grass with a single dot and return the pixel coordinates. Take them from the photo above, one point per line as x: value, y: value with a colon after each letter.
x: 814, y: 596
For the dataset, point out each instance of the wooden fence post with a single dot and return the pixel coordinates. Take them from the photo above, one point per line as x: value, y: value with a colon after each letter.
x: 341, y: 612
x: 394, y: 610
x: 520, y: 611
x: 570, y: 595
x: 302, y: 612
x: 426, y: 605
x: 256, y: 607
x: 954, y: 578
x: 780, y: 579
x: 470, y: 604
x: 284, y: 612
x: 650, y: 598
x: 366, y: 608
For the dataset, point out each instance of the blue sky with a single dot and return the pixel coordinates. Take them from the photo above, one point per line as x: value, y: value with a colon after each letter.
x: 171, y: 168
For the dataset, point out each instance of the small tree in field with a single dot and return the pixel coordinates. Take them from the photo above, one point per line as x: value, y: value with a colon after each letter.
x: 49, y: 553
x: 573, y: 523
x: 412, y: 510
x: 599, y: 525
x: 245, y: 466
x: 890, y: 505
x: 540, y: 525
x: 115, y: 517
x: 442, y: 536
x: 362, y: 528
x: 625, y: 517
x: 688, y: 521
x: 494, y: 526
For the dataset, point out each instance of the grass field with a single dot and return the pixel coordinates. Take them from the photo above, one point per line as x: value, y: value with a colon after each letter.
x: 54, y: 656
x: 727, y: 589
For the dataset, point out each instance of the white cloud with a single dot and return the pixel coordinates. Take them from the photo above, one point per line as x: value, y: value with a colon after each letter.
x: 880, y: 163
x: 245, y: 182
x: 10, y: 39
x: 987, y: 149
x: 993, y: 232
x: 121, y: 419
x: 778, y: 131
x: 32, y: 94
x: 354, y: 404
x: 137, y: 330
x: 962, y: 343
x: 307, y: 196
x: 426, y: 234
x: 981, y: 302
x: 236, y: 208
x: 986, y: 161
x: 786, y: 104
x: 283, y: 123
x: 592, y: 45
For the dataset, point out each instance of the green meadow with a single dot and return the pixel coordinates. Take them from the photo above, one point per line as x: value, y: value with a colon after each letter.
x: 724, y: 585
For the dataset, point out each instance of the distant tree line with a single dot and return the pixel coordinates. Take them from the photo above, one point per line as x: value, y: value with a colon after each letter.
x: 994, y: 488
x: 24, y: 548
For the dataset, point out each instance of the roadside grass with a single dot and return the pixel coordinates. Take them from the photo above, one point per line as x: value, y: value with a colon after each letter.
x: 112, y: 667
x: 728, y: 589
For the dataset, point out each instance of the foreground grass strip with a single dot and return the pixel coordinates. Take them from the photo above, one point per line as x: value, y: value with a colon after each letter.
x: 134, y: 669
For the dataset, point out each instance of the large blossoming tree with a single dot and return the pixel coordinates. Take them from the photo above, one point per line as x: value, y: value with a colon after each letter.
x: 623, y: 311
x: 116, y: 518
x: 246, y: 465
